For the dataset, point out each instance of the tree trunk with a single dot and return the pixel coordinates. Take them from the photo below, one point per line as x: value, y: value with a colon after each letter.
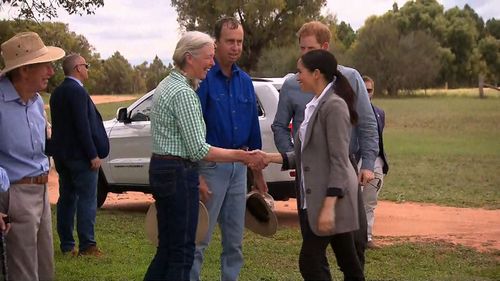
x: 481, y: 86
x: 392, y: 91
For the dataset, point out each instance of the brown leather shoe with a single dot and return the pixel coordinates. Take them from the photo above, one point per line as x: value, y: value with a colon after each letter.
x: 91, y: 251
x: 72, y: 253
x: 372, y: 245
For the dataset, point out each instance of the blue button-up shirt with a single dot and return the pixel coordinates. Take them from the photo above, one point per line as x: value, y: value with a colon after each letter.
x: 229, y: 108
x: 22, y: 134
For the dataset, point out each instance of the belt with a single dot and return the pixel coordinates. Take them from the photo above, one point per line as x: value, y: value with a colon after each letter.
x: 40, y: 179
x: 186, y: 162
x: 168, y: 157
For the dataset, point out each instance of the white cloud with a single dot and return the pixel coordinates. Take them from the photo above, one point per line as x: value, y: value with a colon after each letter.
x: 139, y: 30
x: 356, y: 11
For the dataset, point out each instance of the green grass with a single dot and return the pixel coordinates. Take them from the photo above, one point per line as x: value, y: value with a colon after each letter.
x: 462, y: 92
x: 443, y: 150
x: 127, y: 255
x: 108, y: 110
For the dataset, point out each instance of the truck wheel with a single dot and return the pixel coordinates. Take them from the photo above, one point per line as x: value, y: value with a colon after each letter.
x: 102, y: 190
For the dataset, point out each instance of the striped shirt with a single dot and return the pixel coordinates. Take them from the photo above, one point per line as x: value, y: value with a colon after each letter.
x: 177, y: 125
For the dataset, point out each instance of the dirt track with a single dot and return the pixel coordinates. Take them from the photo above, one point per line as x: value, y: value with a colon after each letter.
x: 108, y: 98
x: 476, y: 228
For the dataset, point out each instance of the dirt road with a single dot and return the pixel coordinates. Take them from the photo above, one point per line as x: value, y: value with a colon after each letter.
x: 109, y: 98
x: 476, y: 228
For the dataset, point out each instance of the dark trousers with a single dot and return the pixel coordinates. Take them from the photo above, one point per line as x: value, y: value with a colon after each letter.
x: 360, y: 235
x: 313, y: 263
x: 175, y: 188
x: 77, y: 194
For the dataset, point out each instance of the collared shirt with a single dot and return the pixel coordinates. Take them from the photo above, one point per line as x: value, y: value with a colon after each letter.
x: 4, y: 180
x: 310, y: 108
x: 22, y: 131
x: 77, y: 81
x: 177, y: 125
x: 230, y: 109
x: 292, y: 101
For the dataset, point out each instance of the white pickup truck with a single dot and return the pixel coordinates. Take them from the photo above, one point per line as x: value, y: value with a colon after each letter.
x: 126, y: 167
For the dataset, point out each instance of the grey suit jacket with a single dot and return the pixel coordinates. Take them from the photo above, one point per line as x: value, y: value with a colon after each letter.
x: 325, y: 161
x: 291, y: 105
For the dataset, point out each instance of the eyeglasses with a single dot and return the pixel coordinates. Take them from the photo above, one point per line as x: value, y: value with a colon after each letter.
x: 369, y: 90
x: 84, y: 64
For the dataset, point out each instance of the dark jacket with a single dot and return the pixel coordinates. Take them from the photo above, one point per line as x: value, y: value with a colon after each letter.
x: 77, y: 129
x: 380, y: 116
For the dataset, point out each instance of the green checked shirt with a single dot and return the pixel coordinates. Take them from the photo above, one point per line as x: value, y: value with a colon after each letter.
x: 177, y: 124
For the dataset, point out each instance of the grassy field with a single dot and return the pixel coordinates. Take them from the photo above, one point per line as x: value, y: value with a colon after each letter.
x: 107, y: 110
x: 442, y: 149
x: 128, y: 254
x: 463, y: 92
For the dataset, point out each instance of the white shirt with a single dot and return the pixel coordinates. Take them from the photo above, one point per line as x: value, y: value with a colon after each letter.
x: 4, y: 180
x: 310, y: 108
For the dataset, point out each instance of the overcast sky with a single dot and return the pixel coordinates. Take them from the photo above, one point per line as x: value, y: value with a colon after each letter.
x: 139, y: 32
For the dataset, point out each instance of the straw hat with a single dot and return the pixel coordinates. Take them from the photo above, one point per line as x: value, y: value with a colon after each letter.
x: 27, y: 48
x: 259, y: 215
x: 151, y: 224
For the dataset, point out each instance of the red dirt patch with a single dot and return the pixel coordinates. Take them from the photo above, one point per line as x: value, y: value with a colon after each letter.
x: 106, y: 99
x: 111, y: 98
x: 477, y: 228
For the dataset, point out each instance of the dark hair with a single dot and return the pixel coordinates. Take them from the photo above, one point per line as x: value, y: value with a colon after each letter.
x: 229, y: 22
x: 326, y: 63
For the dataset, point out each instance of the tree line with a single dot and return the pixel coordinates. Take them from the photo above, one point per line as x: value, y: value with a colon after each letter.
x: 114, y: 75
x: 419, y: 45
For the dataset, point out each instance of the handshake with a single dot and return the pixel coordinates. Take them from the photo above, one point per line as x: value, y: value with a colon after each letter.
x: 258, y: 159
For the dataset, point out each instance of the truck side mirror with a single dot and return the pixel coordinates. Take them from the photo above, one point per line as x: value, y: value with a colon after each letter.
x: 122, y: 116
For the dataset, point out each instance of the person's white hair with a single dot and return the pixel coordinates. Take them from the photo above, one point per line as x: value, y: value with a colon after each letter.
x: 190, y: 43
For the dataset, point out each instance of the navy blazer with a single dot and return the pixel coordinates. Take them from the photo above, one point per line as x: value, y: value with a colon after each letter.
x: 77, y: 129
x: 380, y: 116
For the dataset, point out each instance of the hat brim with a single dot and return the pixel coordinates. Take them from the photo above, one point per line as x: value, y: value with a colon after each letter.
x: 151, y: 224
x: 267, y: 228
x: 53, y: 54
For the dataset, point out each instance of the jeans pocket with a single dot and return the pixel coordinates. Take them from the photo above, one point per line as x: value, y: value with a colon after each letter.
x: 207, y: 164
x: 163, y: 182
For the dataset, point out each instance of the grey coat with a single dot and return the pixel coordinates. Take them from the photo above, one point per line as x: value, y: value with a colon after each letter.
x: 326, y: 165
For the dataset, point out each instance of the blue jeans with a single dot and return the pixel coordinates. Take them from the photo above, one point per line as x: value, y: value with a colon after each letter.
x: 175, y: 188
x: 228, y: 184
x: 77, y: 194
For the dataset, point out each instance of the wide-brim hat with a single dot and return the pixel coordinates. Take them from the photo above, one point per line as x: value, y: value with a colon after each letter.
x: 27, y: 48
x: 151, y: 224
x: 259, y: 214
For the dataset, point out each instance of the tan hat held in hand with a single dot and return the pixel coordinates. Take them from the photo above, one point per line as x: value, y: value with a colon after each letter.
x: 151, y: 224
